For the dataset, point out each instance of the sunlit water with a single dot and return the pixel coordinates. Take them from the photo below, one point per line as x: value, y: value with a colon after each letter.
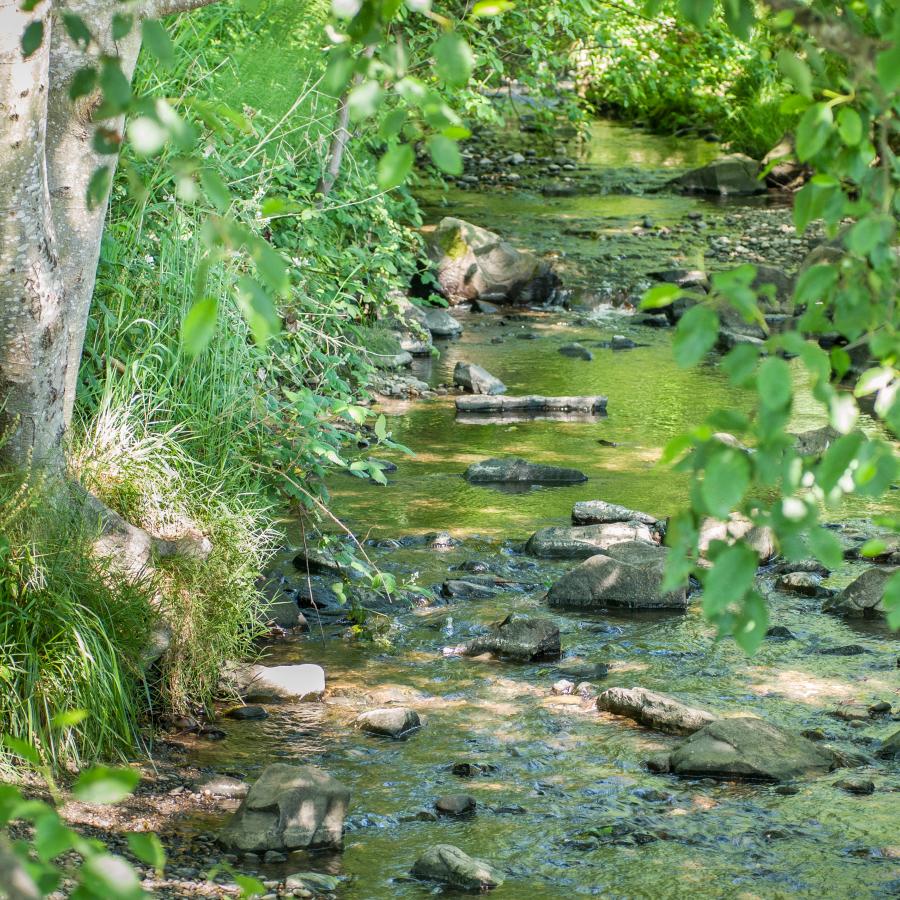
x: 564, y: 815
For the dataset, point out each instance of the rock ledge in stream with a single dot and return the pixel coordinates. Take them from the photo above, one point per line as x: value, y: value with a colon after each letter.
x: 654, y: 710
x: 626, y: 575
x: 447, y: 864
x: 289, y: 808
x: 863, y: 597
x: 254, y: 682
x: 582, y: 541
x: 730, y: 175
x: 516, y: 637
x: 520, y: 471
x: 751, y: 749
x: 477, y: 380
x: 530, y: 403
x: 599, y: 512
x: 397, y: 722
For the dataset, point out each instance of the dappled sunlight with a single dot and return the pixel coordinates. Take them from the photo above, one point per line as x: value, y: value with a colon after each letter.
x: 812, y: 689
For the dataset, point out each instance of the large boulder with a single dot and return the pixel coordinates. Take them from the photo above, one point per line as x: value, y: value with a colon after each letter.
x: 748, y: 748
x: 255, y: 682
x: 474, y: 263
x: 517, y: 637
x: 890, y: 747
x: 815, y: 441
x: 477, y: 380
x: 862, y: 598
x: 289, y: 808
x: 654, y: 710
x: 625, y: 575
x: 448, y: 865
x: 441, y: 324
x: 520, y: 471
x: 599, y: 512
x: 759, y: 537
x: 730, y: 175
x: 397, y: 722
x: 582, y: 541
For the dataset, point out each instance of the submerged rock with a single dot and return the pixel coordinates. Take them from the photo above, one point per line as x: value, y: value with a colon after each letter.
x: 863, y: 598
x: 447, y: 864
x: 517, y: 637
x: 576, y: 351
x: 599, y: 512
x: 255, y: 682
x: 625, y: 575
x: 397, y: 722
x: 477, y: 380
x: 582, y: 541
x: 473, y: 263
x: 513, y: 469
x: 748, y: 748
x: 735, y: 174
x: 654, y: 710
x: 289, y: 808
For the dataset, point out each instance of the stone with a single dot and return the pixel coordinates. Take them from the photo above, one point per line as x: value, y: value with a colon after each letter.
x: 447, y: 864
x: 455, y: 805
x: 760, y: 538
x: 477, y: 380
x: 441, y: 324
x: 289, y: 808
x: 654, y: 710
x: 852, y: 712
x: 520, y: 471
x: 583, y: 541
x: 315, y: 882
x: 579, y: 668
x: 731, y: 175
x: 599, y: 512
x: 890, y: 747
x: 247, y: 712
x: 626, y: 575
x: 863, y: 598
x: 407, y: 322
x: 484, y: 307
x: 471, y: 769
x: 782, y: 169
x: 576, y: 351
x: 397, y: 722
x: 620, y: 342
x: 563, y: 687
x: 748, y: 748
x: 856, y: 785
x: 470, y: 588
x: 223, y: 786
x: 531, y: 405
x: 806, y: 584
x: 518, y: 637
x: 780, y: 633
x: 254, y: 682
x: 815, y: 441
x: 472, y: 262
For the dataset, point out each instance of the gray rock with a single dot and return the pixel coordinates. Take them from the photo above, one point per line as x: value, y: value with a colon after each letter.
x: 582, y: 541
x: 397, y: 722
x: 255, y: 682
x: 815, y: 441
x: 856, y: 785
x: 477, y: 380
x: 890, y: 747
x: 517, y: 637
x: 761, y: 539
x: 289, y: 808
x: 316, y: 882
x: 735, y: 174
x: 599, y: 512
x: 579, y: 668
x: 864, y: 597
x: 223, y: 786
x: 472, y: 588
x: 441, y: 324
x: 747, y: 748
x: 473, y: 262
x: 806, y: 584
x: 484, y: 307
x: 247, y: 712
x: 520, y: 471
x: 563, y: 687
x: 447, y: 864
x: 530, y: 404
x: 576, y: 351
x: 625, y: 575
x: 654, y: 710
x: 455, y: 805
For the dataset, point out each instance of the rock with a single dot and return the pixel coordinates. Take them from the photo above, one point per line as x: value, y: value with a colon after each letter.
x: 472, y: 262
x: 815, y: 441
x: 470, y: 589
x: 843, y: 650
x: 455, y: 805
x: 482, y: 306
x: 391, y: 360
x: 879, y: 708
x: 748, y: 748
x: 735, y: 174
x: 576, y: 351
x: 477, y: 380
x: 471, y: 769
x: 441, y: 324
x: 812, y: 566
x: 223, y: 786
x: 449, y: 865
x: 654, y: 710
x: 599, y: 512
x: 247, y: 712
x: 563, y: 688
x: 289, y: 808
x: 856, y: 785
x: 518, y: 637
x: 804, y: 583
x: 577, y: 667
x: 780, y: 633
x: 625, y: 575
x: 863, y: 598
x: 620, y: 342
x: 852, y: 712
x: 782, y: 169
x: 530, y: 405
x: 254, y: 682
x: 520, y: 471
x: 313, y: 562
x: 582, y: 541
x: 760, y: 538
x: 407, y: 322
x: 397, y: 722
x: 315, y: 882
x: 890, y: 747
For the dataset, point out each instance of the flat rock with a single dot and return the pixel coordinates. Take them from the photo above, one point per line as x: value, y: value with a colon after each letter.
x: 518, y: 637
x: 863, y: 598
x: 247, y: 712
x: 599, y: 512
x: 533, y: 404
x: 654, y: 710
x: 806, y: 584
x: 748, y: 748
x: 731, y: 175
x: 289, y: 808
x: 397, y: 722
x: 223, y: 786
x: 582, y: 541
x: 254, y: 682
x: 472, y: 588
x: 576, y: 351
x: 626, y: 575
x: 477, y: 380
x: 316, y: 882
x: 520, y: 471
x: 448, y: 865
x: 441, y: 324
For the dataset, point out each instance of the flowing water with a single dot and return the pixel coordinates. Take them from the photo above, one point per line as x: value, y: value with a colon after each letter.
x: 570, y: 810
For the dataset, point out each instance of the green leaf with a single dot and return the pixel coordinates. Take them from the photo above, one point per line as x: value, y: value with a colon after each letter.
x: 158, y: 42
x: 76, y: 29
x: 105, y: 785
x: 394, y: 166
x: 729, y: 579
x: 148, y: 848
x: 740, y: 17
x: 751, y: 624
x: 697, y: 12
x: 695, y: 335
x: 485, y: 8
x: 815, y: 283
x: 32, y: 38
x: 888, y: 68
x: 51, y: 837
x: 773, y: 382
x: 445, y: 154
x: 826, y: 548
x: 199, y: 325
x: 250, y: 887
x: 740, y: 363
x: 850, y: 126
x: 215, y: 189
x: 381, y: 427
x: 27, y: 751
x: 111, y: 878
x: 258, y: 309
x: 115, y: 86
x: 338, y: 72
x: 121, y: 25
x: 814, y: 129
x: 796, y: 71
x: 83, y: 82
x: 891, y: 600
x: 869, y: 233
x: 453, y: 59
x: 69, y: 718
x: 660, y: 296
x: 837, y: 459
x: 725, y: 481
x: 363, y: 100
